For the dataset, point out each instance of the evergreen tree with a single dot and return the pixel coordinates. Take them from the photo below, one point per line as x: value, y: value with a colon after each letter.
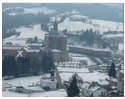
x: 72, y: 89
x: 47, y: 64
x: 112, y: 72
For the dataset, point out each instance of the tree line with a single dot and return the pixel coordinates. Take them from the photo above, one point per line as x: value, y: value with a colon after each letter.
x: 24, y: 66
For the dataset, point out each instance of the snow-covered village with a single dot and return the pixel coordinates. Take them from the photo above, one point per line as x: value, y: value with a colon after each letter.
x: 62, y: 50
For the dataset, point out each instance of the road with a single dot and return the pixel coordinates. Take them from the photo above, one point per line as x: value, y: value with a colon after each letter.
x: 60, y: 85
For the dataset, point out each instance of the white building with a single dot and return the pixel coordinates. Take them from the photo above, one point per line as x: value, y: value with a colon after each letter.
x: 120, y: 81
x: 48, y: 83
x: 89, y: 90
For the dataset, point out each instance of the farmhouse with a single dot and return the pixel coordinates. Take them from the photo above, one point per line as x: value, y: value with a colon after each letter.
x: 89, y: 90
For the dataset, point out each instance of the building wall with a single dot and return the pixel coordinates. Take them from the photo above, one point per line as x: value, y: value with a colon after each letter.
x: 55, y: 42
x: 99, y: 92
x: 6, y: 52
x: 51, y: 84
x: 90, y: 51
x: 35, y: 46
x: 120, y: 85
x: 59, y: 56
x: 59, y: 43
x: 88, y: 93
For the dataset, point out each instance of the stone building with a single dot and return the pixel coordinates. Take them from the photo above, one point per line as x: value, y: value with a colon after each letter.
x: 55, y: 42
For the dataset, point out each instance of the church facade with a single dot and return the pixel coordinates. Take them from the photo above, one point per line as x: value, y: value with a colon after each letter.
x: 55, y: 42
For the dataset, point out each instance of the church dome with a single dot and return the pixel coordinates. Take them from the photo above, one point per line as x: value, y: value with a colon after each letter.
x: 55, y: 33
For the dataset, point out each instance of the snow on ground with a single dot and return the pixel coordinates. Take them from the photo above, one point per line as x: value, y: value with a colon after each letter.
x: 12, y: 14
x: 121, y: 46
x: 95, y: 77
x: 78, y: 16
x: 116, y: 26
x: 58, y: 18
x: 25, y: 81
x: 72, y: 26
x: 43, y: 10
x: 78, y: 25
x: 68, y: 69
x: 26, y: 33
x: 89, y: 61
x: 113, y: 35
x: 57, y: 93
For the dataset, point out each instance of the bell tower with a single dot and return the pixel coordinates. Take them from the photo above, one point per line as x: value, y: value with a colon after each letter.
x: 55, y: 27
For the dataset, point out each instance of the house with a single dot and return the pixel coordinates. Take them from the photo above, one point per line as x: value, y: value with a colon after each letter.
x: 48, y: 83
x: 89, y: 90
x: 112, y: 81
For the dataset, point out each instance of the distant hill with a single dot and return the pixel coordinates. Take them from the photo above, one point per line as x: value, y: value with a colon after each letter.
x: 92, y: 10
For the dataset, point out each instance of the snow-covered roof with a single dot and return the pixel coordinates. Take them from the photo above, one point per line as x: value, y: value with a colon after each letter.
x: 94, y: 88
x: 112, y: 79
x: 12, y: 48
x: 55, y: 50
x: 48, y: 79
x: 113, y: 87
x: 19, y: 54
x: 31, y: 50
x: 90, y: 87
x: 103, y: 82
x: 122, y: 71
x: 85, y: 85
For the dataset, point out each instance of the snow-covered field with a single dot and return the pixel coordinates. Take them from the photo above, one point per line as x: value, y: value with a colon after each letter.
x: 89, y: 61
x: 12, y: 14
x: 35, y: 11
x: 95, y: 77
x: 68, y: 69
x: 78, y: 25
x: 25, y: 81
x: 57, y: 93
x: 114, y: 26
x: 43, y: 10
x: 26, y: 33
x: 114, y: 35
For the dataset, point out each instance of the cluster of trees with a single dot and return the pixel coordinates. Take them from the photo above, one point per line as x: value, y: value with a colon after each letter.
x: 88, y: 36
x: 21, y: 20
x: 32, y: 40
x: 9, y: 33
x: 47, y: 64
x: 23, y: 66
x: 44, y: 27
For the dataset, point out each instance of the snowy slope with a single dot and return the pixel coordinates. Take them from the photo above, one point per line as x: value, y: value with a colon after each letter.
x: 57, y: 93
x: 26, y: 33
x: 25, y: 81
x: 96, y: 76
x: 68, y: 69
x: 35, y: 11
x: 94, y: 24
x: 43, y: 10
